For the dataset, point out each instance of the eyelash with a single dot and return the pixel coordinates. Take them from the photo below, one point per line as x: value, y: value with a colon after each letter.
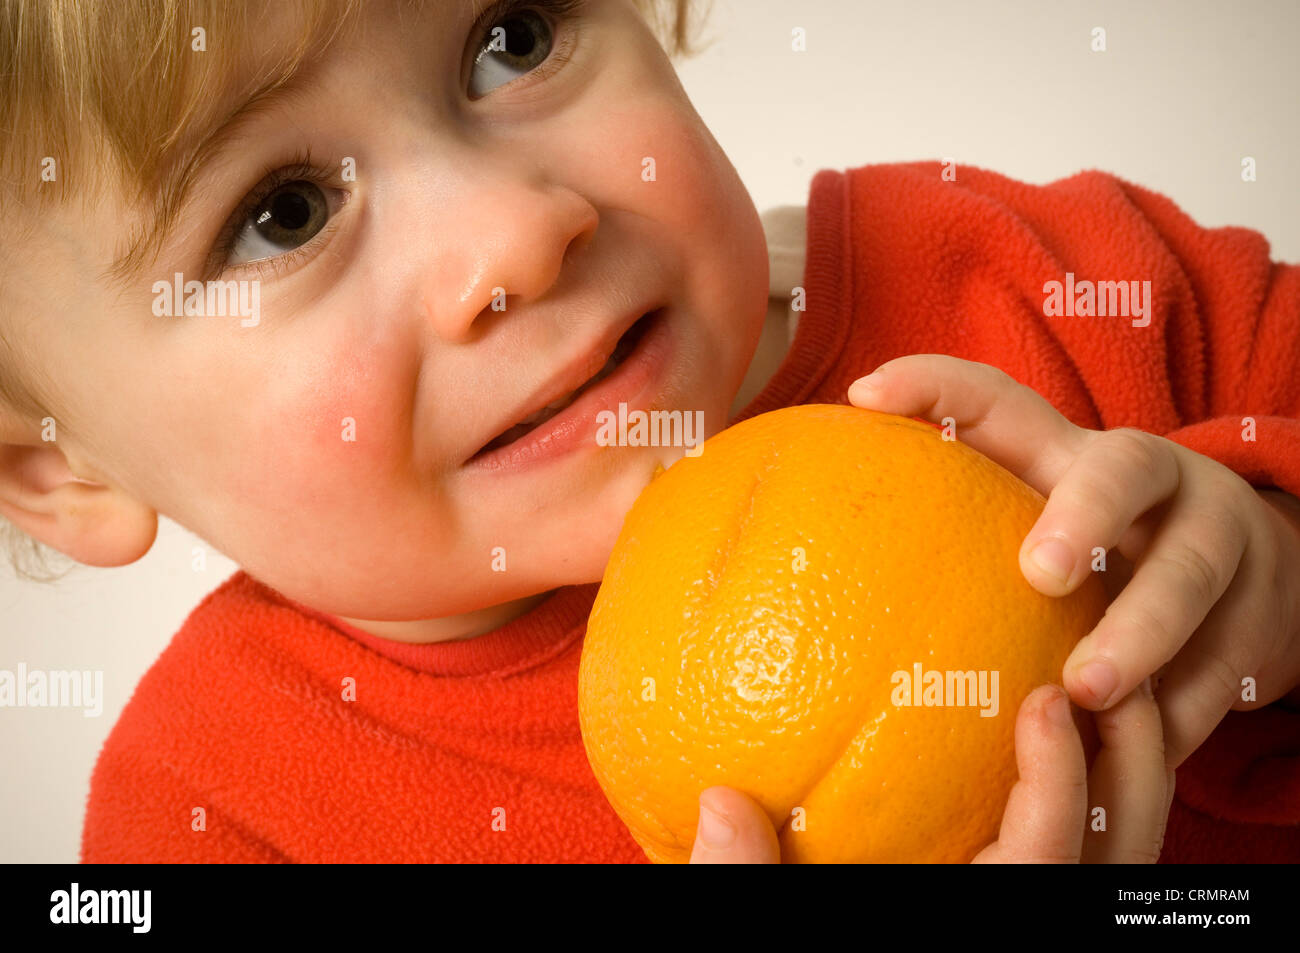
x: 301, y: 167
x: 559, y: 10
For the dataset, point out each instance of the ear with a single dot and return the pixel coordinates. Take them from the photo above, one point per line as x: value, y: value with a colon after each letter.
x: 94, y: 523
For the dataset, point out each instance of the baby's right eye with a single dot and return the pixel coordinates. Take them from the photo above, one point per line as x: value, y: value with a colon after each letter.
x: 285, y: 217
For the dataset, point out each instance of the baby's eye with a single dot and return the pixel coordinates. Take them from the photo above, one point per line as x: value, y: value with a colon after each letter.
x: 516, y: 43
x: 285, y: 219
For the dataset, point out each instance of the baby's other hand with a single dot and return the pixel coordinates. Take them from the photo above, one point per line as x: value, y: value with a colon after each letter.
x: 1208, y: 611
x: 1060, y: 811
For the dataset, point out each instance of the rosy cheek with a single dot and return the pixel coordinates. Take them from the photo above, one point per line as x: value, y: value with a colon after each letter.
x: 325, y: 425
x: 684, y: 180
x: 351, y: 425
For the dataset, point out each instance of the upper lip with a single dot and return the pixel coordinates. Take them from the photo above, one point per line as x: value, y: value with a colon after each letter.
x: 572, y: 375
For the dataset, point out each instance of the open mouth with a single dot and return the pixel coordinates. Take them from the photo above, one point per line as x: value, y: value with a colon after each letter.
x: 625, y: 346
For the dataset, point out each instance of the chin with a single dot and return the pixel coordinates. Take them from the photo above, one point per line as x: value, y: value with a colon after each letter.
x: 599, y: 517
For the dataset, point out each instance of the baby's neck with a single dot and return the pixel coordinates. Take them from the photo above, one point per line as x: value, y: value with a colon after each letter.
x: 452, y: 628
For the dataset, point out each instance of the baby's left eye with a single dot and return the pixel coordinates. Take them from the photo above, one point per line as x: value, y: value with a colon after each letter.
x: 514, y: 45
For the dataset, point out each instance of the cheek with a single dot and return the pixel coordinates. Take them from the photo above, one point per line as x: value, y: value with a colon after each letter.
x: 657, y: 160
x: 720, y: 248
x: 346, y: 417
x: 638, y: 144
x: 660, y: 160
x: 314, y: 431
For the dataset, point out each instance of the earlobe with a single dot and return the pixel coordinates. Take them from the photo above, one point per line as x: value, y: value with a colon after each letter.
x: 94, y: 523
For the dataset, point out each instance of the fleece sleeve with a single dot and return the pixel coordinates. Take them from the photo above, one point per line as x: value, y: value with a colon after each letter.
x: 1246, y: 413
x: 139, y: 811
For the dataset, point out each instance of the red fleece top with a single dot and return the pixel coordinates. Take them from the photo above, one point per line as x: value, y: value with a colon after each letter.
x: 470, y: 751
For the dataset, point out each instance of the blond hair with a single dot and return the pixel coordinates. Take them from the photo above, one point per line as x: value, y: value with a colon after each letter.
x: 110, y: 89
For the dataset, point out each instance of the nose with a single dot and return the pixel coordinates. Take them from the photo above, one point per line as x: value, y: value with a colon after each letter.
x: 505, y: 234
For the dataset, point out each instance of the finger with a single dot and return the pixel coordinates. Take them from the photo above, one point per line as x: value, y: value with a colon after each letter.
x: 1118, y: 572
x: 1188, y: 566
x: 1171, y: 779
x: 733, y: 829
x: 1119, y: 476
x: 1129, y: 782
x: 996, y: 415
x: 1043, y: 820
x: 1136, y: 540
x: 1205, y: 679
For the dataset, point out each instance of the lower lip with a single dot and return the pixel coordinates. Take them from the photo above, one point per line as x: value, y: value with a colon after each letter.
x: 576, y: 425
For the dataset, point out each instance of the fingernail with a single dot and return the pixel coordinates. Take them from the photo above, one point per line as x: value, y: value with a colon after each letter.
x: 1146, y: 688
x: 1053, y: 557
x: 1100, y: 678
x: 869, y: 383
x: 1058, y: 709
x: 715, y: 830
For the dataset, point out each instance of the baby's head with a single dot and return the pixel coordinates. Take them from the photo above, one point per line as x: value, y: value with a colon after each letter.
x: 436, y: 224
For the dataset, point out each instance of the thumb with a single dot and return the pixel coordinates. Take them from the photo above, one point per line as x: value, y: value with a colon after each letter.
x: 733, y: 829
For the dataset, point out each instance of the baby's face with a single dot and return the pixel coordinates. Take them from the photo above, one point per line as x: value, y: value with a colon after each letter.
x: 335, y: 449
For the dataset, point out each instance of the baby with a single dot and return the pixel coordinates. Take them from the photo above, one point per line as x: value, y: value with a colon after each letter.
x: 345, y: 289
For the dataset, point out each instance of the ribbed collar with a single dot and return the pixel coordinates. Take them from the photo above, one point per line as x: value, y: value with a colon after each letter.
x: 538, y: 635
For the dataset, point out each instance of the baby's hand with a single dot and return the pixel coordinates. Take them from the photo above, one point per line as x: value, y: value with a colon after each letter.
x: 1206, y: 608
x: 1052, y: 813
x: 1060, y: 811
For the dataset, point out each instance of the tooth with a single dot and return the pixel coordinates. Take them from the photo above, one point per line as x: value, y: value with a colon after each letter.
x: 563, y: 402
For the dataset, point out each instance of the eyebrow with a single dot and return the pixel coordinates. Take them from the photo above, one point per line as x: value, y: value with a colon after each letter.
x: 175, y: 188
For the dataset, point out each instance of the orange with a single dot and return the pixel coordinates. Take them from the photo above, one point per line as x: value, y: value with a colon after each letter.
x: 766, y: 603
